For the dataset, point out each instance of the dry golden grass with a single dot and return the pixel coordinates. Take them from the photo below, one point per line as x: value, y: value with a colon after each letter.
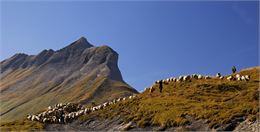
x: 215, y: 100
x: 22, y: 126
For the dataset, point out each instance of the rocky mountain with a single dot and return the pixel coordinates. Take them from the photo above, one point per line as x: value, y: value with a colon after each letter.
x: 80, y: 73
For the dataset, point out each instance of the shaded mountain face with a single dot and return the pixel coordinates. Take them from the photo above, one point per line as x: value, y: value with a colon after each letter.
x: 79, y: 73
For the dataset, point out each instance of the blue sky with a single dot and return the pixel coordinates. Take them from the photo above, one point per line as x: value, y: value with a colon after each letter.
x: 155, y: 40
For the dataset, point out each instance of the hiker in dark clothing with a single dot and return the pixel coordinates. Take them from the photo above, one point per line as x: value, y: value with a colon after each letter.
x: 160, y: 85
x: 234, y: 69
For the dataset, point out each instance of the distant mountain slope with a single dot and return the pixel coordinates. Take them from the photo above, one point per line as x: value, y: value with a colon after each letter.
x: 79, y: 72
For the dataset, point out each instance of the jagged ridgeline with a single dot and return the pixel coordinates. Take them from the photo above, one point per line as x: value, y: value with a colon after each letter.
x: 79, y: 73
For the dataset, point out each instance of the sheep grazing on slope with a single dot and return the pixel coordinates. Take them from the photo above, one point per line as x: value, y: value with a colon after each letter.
x: 35, y: 118
x: 247, y: 77
x: 230, y: 78
x: 152, y: 89
x: 195, y: 76
x: 237, y: 76
x: 218, y: 75
x: 119, y: 99
x: 45, y: 120
x: 207, y: 77
x: 180, y: 78
x: 146, y: 89
x: 200, y: 76
x: 64, y: 113
x: 29, y: 117
x: 185, y: 78
x: 243, y: 78
x: 49, y: 108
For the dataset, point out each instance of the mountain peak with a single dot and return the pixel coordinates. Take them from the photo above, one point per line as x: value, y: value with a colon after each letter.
x: 81, y: 44
x: 82, y: 39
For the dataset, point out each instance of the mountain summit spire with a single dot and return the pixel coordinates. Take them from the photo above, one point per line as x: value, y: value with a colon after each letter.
x: 82, y: 40
x: 80, y: 44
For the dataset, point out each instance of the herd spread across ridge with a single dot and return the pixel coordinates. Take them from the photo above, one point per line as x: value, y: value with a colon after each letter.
x: 184, y: 78
x: 65, y: 113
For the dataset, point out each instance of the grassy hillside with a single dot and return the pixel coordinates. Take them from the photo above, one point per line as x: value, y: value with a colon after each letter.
x: 216, y: 101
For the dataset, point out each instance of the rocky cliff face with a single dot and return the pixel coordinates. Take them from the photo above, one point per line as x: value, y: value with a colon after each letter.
x: 79, y: 73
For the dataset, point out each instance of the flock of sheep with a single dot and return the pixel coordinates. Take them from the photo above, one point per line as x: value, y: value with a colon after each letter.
x: 65, y: 113
x: 184, y: 78
x: 239, y: 78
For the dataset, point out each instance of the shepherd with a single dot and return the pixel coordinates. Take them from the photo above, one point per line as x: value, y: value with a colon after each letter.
x: 234, y: 69
x: 160, y: 85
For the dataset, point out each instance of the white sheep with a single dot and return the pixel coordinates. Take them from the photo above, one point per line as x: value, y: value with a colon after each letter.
x: 218, y: 75
x: 247, y: 77
x: 200, y: 76
x: 243, y: 78
x: 195, y: 76
x: 146, y: 89
x: 185, y: 78
x: 81, y: 112
x: 54, y: 119
x: 86, y: 111
x: 180, y: 78
x: 237, y: 76
x: 35, y: 118
x: 110, y: 103
x: 49, y: 108
x: 230, y: 78
x: 207, y: 77
x: 119, y: 99
x: 29, y: 117
x: 105, y: 104
x: 151, y: 89
x: 45, y: 120
x: 114, y: 101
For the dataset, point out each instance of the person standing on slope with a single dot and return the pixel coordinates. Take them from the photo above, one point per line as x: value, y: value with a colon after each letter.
x: 160, y: 85
x: 234, y: 69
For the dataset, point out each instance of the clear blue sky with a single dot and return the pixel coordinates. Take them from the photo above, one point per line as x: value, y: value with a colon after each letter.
x: 155, y: 40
